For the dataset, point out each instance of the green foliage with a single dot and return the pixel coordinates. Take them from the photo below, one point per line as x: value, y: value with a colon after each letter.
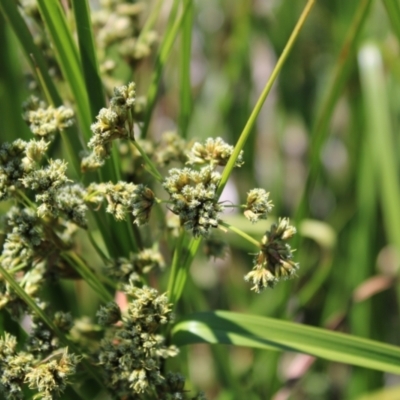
x: 126, y: 227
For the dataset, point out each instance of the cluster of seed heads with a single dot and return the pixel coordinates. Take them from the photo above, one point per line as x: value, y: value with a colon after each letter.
x: 275, y: 259
x: 134, y: 351
x: 51, y: 208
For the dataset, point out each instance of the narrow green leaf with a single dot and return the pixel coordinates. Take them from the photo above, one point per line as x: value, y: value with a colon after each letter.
x: 88, y: 275
x: 362, y: 235
x: 390, y: 393
x: 381, y: 137
x: 32, y: 53
x: 319, y: 132
x: 165, y: 49
x: 183, y: 263
x: 11, y: 75
x: 393, y: 12
x: 224, y: 327
x: 68, y: 59
x: 186, y: 87
x: 88, y: 57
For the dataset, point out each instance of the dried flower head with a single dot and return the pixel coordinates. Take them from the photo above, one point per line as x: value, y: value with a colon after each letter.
x: 275, y: 259
x: 48, y: 376
x: 124, y: 97
x: 13, y: 366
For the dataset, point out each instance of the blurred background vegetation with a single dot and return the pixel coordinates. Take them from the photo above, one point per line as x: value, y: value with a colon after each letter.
x: 325, y: 146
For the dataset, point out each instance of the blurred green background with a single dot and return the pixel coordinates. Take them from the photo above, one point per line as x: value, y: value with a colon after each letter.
x: 325, y: 146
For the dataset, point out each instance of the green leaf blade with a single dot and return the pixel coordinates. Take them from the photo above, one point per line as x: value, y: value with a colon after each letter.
x: 88, y: 57
x: 68, y: 58
x: 223, y: 327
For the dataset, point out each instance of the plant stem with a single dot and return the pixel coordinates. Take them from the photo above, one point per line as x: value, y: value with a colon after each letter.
x: 175, y: 266
x: 150, y: 20
x: 151, y: 167
x: 240, y: 233
x: 88, y: 275
x: 257, y: 108
x: 42, y: 315
x: 165, y: 49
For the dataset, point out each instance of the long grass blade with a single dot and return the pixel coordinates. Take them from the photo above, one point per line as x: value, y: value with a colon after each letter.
x: 88, y: 57
x: 393, y: 12
x: 10, y: 79
x: 344, y: 63
x: 33, y: 55
x: 224, y: 327
x: 185, y: 88
x: 381, y: 138
x: 162, y: 57
x: 68, y: 59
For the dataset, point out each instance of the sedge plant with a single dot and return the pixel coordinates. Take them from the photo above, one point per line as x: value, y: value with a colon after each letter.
x: 92, y: 195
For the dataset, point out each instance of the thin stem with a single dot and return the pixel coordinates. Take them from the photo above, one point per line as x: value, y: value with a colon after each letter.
x: 194, y: 244
x: 42, y: 315
x: 99, y: 251
x: 175, y: 265
x: 165, y: 49
x: 25, y: 200
x: 88, y: 275
x: 257, y: 108
x: 333, y: 89
x: 240, y: 233
x: 18, y: 268
x: 152, y: 168
x: 150, y: 20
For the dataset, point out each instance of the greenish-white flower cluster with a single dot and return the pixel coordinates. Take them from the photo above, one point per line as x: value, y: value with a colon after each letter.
x: 213, y: 152
x: 171, y: 147
x: 132, y: 269
x: 17, y: 160
x: 114, y: 122
x: 48, y: 209
x: 117, y: 23
x: 41, y: 365
x: 193, y: 193
x: 193, y: 196
x: 133, y: 351
x: 45, y: 121
x: 124, y: 198
x: 258, y: 206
